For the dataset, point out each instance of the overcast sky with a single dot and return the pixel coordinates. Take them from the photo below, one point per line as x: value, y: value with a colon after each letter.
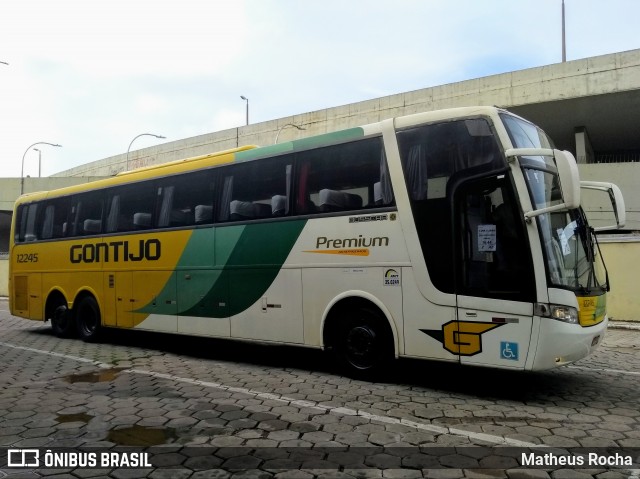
x: 93, y: 74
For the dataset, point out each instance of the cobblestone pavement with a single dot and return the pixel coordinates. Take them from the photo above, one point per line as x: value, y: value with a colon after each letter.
x: 203, y: 408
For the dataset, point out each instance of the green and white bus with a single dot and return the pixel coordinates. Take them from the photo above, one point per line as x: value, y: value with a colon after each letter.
x: 453, y: 235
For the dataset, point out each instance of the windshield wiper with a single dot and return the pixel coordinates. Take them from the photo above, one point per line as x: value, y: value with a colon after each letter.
x: 591, y: 245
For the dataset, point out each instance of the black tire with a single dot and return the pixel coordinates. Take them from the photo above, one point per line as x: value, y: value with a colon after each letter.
x: 364, y: 346
x: 62, y: 322
x: 88, y: 321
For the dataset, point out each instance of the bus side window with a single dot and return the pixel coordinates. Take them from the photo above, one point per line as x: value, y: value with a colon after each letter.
x: 60, y: 216
x: 257, y: 190
x: 26, y: 230
x: 88, y: 220
x: 186, y: 200
x: 53, y: 218
x: 346, y: 177
x: 436, y: 159
x: 131, y: 207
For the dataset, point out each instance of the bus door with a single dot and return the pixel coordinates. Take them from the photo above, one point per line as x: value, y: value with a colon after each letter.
x: 494, y: 276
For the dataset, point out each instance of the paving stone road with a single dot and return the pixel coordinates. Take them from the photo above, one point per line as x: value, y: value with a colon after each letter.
x: 201, y: 408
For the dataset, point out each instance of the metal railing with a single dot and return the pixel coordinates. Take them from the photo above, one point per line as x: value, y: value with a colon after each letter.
x: 622, y: 157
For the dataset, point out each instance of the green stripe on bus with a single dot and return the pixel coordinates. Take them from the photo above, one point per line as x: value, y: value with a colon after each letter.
x: 248, y: 259
x: 328, y: 139
x: 263, y: 152
x: 300, y: 145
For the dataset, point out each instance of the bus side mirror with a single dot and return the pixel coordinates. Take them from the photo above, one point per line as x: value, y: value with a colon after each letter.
x: 599, y: 207
x: 568, y: 176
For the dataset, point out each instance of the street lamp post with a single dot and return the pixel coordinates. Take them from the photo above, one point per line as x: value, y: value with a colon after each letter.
x: 25, y: 154
x: 564, y: 39
x: 246, y: 100
x: 283, y: 127
x: 141, y: 134
x: 39, y: 162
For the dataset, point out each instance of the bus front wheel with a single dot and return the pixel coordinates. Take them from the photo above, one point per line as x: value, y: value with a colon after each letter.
x: 363, y: 346
x: 88, y: 319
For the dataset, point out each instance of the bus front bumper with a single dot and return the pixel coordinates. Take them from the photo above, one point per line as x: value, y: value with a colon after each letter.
x: 562, y: 343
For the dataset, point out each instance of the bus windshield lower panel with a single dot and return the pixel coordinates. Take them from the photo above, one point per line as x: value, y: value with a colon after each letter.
x: 571, y: 258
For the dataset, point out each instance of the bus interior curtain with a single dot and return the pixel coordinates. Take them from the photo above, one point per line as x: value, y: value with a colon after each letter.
x: 289, y: 179
x: 227, y: 196
x: 167, y: 204
x: 302, y: 203
x: 417, y: 172
x: 114, y: 214
x: 47, y: 226
x: 75, y: 229
x: 385, y: 181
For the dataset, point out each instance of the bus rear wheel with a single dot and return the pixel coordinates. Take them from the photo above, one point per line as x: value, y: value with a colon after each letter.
x: 363, y: 345
x: 88, y: 319
x: 62, y: 322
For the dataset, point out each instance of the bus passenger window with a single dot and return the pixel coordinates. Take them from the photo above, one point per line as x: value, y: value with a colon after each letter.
x: 256, y: 190
x: 131, y: 208
x: 346, y: 177
x: 55, y: 218
x: 88, y: 214
x: 26, y: 230
x: 186, y: 200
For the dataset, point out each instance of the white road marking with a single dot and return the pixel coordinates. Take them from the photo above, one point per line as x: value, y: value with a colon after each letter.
x: 58, y: 355
x: 605, y: 370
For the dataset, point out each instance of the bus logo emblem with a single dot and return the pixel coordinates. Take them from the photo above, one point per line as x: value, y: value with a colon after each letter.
x: 462, y: 337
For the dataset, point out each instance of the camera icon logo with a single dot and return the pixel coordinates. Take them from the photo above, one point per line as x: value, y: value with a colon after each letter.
x: 23, y: 458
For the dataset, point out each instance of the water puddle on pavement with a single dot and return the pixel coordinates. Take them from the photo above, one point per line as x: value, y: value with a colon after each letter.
x: 81, y: 417
x: 101, y: 376
x: 141, y: 435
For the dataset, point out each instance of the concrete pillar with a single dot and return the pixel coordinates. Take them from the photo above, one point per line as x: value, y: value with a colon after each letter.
x: 584, y: 150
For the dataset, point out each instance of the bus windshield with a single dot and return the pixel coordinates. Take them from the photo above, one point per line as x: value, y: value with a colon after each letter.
x: 568, y: 241
x: 570, y: 252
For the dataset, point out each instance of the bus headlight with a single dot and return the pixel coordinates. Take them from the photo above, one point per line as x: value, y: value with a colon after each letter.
x: 564, y: 313
x: 559, y: 312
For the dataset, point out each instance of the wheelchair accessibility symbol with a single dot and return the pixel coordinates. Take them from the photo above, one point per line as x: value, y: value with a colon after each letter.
x: 508, y: 350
